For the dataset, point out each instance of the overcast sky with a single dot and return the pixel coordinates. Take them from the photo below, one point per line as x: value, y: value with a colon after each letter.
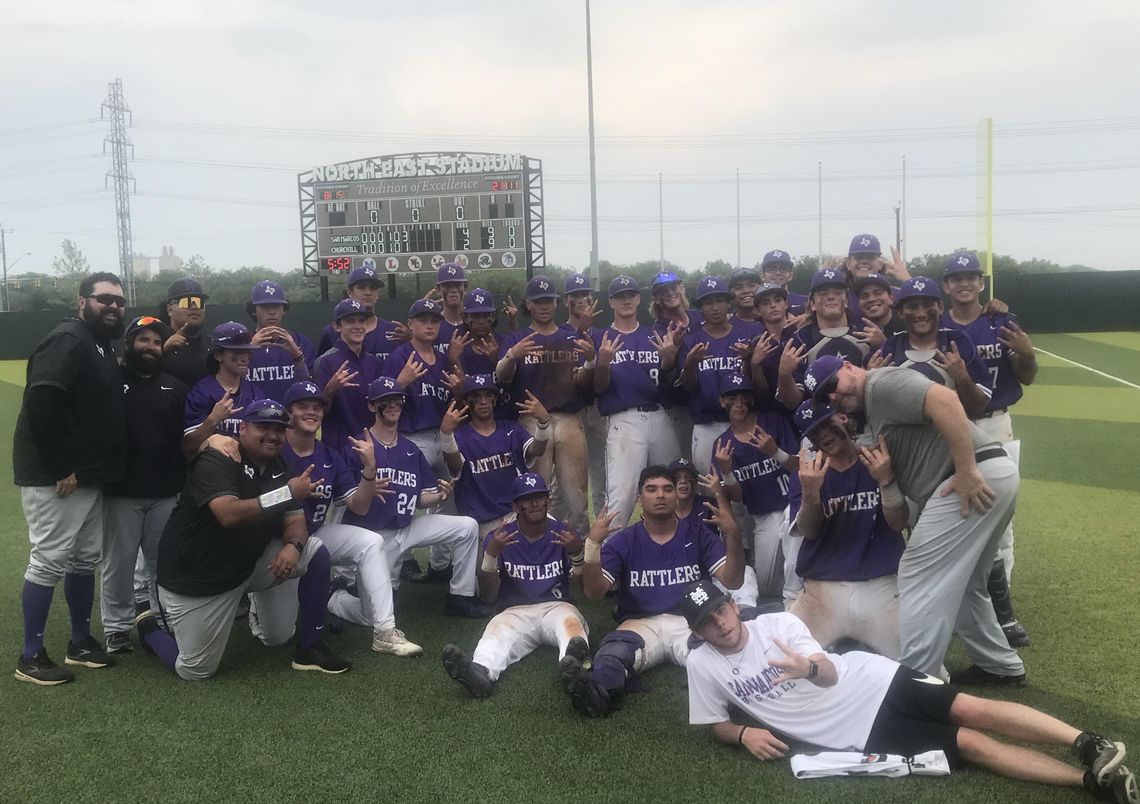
x: 695, y: 91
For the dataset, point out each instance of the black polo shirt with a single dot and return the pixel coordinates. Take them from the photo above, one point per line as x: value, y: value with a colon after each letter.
x: 198, y: 557
x: 188, y: 364
x: 155, y: 465
x: 88, y: 435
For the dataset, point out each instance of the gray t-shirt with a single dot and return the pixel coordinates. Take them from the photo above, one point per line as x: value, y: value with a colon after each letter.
x: 919, y: 455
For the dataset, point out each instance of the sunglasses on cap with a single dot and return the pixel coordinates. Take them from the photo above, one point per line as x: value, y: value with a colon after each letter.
x: 109, y: 299
x: 191, y: 303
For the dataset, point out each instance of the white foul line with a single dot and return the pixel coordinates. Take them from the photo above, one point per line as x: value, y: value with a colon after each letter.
x: 1089, y: 368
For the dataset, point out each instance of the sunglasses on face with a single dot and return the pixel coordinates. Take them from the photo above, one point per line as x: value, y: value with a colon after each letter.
x: 191, y: 303
x: 109, y: 299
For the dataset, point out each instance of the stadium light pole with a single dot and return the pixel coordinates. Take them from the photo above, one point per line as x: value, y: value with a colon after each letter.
x: 593, y: 161
x: 661, y: 218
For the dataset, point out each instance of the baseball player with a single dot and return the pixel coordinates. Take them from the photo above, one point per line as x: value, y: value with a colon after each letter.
x: 827, y: 332
x: 849, y: 514
x: 771, y: 671
x: 708, y: 354
x: 450, y: 286
x: 184, y: 352
x: 690, y: 504
x: 875, y: 296
x: 555, y: 365
x: 359, y: 550
x: 344, y: 372
x: 772, y: 306
x: 581, y: 309
x: 214, y: 403
x: 864, y: 257
x: 670, y: 304
x: 239, y: 526
x: 634, y: 364
x: 481, y: 355
x: 484, y: 454
x: 135, y: 509
x: 1010, y: 363
x: 282, y: 357
x: 70, y: 439
x: 965, y: 486
x: 650, y: 563
x: 742, y: 284
x: 944, y: 356
x: 413, y: 485
x: 381, y: 336
x: 777, y: 268
x: 525, y: 573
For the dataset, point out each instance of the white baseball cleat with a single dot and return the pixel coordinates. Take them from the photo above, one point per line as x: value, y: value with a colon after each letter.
x: 393, y: 641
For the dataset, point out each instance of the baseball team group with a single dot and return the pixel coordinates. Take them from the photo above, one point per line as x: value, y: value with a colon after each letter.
x: 799, y: 498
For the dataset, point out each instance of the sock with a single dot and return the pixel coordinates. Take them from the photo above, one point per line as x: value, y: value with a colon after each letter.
x: 313, y: 592
x: 80, y: 593
x: 609, y: 672
x: 36, y: 601
x: 163, y: 645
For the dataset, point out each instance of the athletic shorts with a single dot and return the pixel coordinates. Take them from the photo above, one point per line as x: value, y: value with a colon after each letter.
x: 915, y: 717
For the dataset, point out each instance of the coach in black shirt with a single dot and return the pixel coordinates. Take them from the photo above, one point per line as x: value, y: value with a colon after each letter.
x: 136, y: 508
x: 184, y: 351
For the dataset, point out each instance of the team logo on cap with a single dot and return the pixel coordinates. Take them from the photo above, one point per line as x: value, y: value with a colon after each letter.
x: 480, y: 380
x: 355, y: 305
x: 807, y: 412
x: 310, y: 388
x: 809, y: 382
x: 829, y: 274
x: 864, y: 241
x: 451, y: 270
x: 543, y: 285
x: 919, y: 285
x: 777, y: 254
x: 682, y: 462
x: 737, y: 379
x: 625, y: 280
x: 530, y: 481
x: 479, y: 297
x: 963, y: 261
x: 710, y: 283
x: 429, y: 304
x: 699, y: 596
x: 270, y: 289
x: 579, y: 280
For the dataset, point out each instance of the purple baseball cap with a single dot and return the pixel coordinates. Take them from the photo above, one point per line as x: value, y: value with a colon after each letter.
x: 681, y: 465
x: 777, y: 257
x: 530, y: 483
x: 742, y: 273
x: 808, y: 418
x: 479, y: 382
x: 265, y: 411
x: 304, y: 389
x: 768, y: 289
x: 425, y: 307
x: 828, y: 277
x: 871, y: 279
x: 231, y: 335
x: 664, y: 279
x: 820, y: 379
x: 864, y: 244
x: 623, y: 284
x: 366, y: 273
x: 918, y: 287
x: 576, y: 283
x: 962, y: 262
x: 711, y: 285
x: 735, y: 383
x: 541, y: 287
x: 450, y: 272
x: 349, y: 307
x: 478, y: 301
x: 268, y: 292
x: 382, y: 387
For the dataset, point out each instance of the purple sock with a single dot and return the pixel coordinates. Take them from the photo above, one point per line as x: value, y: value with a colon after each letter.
x: 36, y: 600
x: 609, y: 672
x: 163, y: 645
x: 313, y: 594
x: 80, y: 593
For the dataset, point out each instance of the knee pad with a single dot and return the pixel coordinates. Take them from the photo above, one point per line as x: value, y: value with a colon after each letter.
x: 615, y: 658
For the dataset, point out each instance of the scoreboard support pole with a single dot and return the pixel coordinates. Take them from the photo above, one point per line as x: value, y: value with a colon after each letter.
x: 391, y: 286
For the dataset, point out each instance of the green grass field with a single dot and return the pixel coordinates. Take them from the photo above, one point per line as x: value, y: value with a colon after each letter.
x: 396, y: 729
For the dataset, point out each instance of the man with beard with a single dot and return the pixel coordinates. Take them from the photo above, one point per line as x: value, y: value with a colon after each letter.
x: 70, y: 440
x: 184, y: 352
x: 136, y: 508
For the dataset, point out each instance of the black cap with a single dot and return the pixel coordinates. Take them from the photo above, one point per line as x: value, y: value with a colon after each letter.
x: 141, y: 322
x: 185, y: 287
x: 700, y: 599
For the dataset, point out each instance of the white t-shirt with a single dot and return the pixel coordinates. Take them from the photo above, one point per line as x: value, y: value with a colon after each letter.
x: 839, y: 717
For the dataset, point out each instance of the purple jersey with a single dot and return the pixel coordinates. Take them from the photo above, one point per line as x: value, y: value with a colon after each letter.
x: 674, y: 395
x: 984, y: 332
x: 205, y: 393
x: 828, y: 341
x: 377, y: 342
x: 549, y: 373
x: 349, y: 413
x: 427, y: 398
x: 797, y: 303
x: 854, y: 543
x: 490, y: 465
x: 334, y: 479
x: 635, y: 372
x: 720, y: 359
x: 272, y: 369
x: 898, y: 353
x: 698, y: 512
x: 408, y: 474
x: 474, y: 363
x: 763, y: 482
x: 532, y: 572
x: 651, y: 577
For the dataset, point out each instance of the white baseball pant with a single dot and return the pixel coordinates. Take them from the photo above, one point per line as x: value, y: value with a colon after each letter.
x: 635, y: 439
x: 704, y: 440
x: 749, y: 592
x: 564, y: 465
x: 597, y: 454
x: 775, y: 550
x: 682, y: 428
x: 514, y: 633
x: 666, y: 638
x: 362, y: 551
x: 864, y: 610
x: 459, y: 534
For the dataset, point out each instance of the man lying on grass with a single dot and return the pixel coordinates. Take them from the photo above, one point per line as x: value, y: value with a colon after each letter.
x: 772, y: 670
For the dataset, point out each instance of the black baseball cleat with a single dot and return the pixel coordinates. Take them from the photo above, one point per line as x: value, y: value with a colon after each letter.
x: 471, y: 676
x: 974, y: 676
x: 1099, y: 754
x: 41, y: 670
x: 410, y: 568
x: 119, y: 642
x: 318, y: 657
x: 432, y: 575
x: 1120, y: 786
x: 579, y: 648
x: 1015, y: 634
x: 145, y: 622
x: 88, y: 653
x: 462, y: 606
x: 585, y: 695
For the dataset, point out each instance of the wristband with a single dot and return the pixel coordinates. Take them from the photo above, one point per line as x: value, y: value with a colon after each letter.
x: 891, y: 496
x: 577, y: 558
x: 298, y: 546
x: 447, y: 443
x: 490, y: 563
x: 813, y: 670
x: 542, y: 432
x: 271, y: 499
x: 592, y: 552
x: 368, y: 479
x: 781, y: 457
x: 740, y: 737
x: 543, y: 425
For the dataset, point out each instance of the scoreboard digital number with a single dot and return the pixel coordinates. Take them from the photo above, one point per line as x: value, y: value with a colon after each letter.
x: 414, y: 212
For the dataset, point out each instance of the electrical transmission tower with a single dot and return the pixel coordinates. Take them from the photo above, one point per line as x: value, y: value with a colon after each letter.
x: 116, y: 109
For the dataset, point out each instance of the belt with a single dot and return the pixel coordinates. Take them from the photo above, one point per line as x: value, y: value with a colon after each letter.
x: 989, y: 414
x: 980, y: 456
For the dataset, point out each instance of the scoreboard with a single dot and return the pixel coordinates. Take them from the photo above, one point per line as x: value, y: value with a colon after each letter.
x: 412, y: 212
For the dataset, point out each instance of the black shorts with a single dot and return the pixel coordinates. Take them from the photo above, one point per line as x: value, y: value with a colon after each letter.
x: 915, y: 717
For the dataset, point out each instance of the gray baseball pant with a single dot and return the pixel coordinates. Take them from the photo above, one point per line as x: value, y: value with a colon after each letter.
x: 130, y: 526
x: 66, y: 533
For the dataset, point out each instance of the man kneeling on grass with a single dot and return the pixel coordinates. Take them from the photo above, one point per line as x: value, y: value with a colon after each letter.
x: 239, y: 526
x: 772, y: 670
